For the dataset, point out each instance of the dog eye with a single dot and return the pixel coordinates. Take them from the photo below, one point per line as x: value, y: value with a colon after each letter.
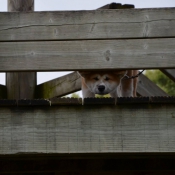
x: 107, y: 79
x: 96, y: 79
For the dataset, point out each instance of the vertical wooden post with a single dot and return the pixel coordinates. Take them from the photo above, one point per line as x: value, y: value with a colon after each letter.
x: 20, y: 85
x: 20, y: 5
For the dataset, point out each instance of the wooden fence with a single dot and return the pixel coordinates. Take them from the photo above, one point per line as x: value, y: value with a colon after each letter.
x: 87, y: 40
x: 84, y: 40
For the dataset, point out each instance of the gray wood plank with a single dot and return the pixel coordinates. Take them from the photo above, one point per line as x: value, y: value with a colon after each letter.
x: 59, y: 87
x: 170, y: 73
x: 88, y: 129
x: 87, y: 55
x: 97, y: 24
x: 146, y: 87
x: 20, y: 5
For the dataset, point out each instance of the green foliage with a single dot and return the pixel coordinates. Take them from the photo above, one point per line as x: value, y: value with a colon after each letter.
x: 161, y: 80
x: 102, y: 96
x: 75, y: 95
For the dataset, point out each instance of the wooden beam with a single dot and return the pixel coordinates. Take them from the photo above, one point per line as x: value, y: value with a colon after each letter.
x: 170, y: 73
x: 146, y: 87
x: 87, y: 55
x: 20, y: 85
x: 20, y: 5
x: 59, y: 87
x: 3, y: 92
x: 97, y: 24
x: 88, y: 129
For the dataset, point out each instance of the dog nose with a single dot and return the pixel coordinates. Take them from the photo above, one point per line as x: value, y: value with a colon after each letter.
x: 101, y: 88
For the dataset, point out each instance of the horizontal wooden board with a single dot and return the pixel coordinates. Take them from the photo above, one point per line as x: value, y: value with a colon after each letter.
x: 97, y: 24
x: 87, y: 55
x: 57, y: 101
x: 88, y: 129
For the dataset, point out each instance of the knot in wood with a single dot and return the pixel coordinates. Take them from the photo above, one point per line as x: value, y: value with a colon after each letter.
x: 107, y: 55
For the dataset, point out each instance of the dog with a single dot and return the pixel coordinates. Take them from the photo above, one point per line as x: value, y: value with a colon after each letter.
x: 109, y: 82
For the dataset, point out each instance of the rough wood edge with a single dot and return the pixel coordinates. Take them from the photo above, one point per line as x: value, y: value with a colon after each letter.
x: 59, y: 87
x: 87, y: 101
x: 146, y: 87
x: 44, y: 30
x: 20, y: 5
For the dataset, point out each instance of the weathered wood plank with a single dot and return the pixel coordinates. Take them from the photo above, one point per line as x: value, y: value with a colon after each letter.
x: 146, y: 87
x: 87, y: 55
x: 59, y: 87
x: 20, y: 5
x: 22, y: 84
x: 170, y: 73
x: 97, y: 24
x: 88, y: 129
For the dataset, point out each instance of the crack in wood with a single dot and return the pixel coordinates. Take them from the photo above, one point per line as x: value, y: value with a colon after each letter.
x: 93, y: 24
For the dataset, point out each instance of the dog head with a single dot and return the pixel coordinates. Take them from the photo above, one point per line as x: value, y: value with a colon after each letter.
x: 102, y: 82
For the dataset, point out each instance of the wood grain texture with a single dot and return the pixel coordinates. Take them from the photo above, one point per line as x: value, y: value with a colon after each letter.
x: 170, y: 73
x: 146, y: 87
x: 88, y: 129
x: 97, y: 24
x: 20, y: 5
x: 87, y: 55
x: 20, y: 85
x: 59, y: 87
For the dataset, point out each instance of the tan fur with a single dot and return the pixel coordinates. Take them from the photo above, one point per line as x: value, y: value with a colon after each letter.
x: 109, y: 82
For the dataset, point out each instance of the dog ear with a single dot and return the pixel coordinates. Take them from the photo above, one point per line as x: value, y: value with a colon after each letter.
x: 122, y: 72
x: 83, y: 73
